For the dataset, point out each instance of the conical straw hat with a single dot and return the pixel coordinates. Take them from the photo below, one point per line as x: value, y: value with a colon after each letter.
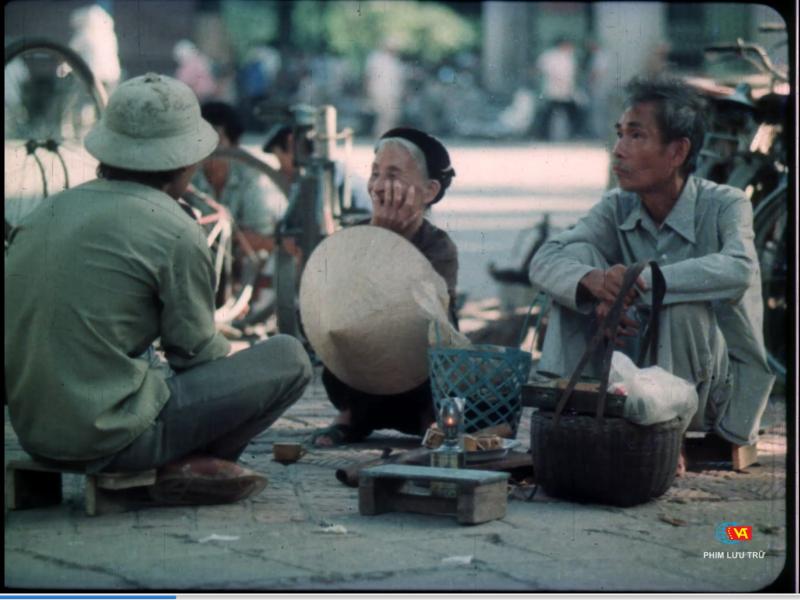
x: 359, y: 313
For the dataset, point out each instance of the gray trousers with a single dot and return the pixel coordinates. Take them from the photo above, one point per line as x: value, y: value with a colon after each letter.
x: 690, y: 345
x: 217, y: 408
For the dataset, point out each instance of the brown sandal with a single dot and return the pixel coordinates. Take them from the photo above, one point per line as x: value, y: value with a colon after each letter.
x: 205, y: 480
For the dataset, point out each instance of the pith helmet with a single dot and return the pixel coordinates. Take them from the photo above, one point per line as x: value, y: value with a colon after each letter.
x: 359, y: 311
x: 152, y: 123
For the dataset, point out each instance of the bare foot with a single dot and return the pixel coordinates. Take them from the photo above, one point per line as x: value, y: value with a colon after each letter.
x: 681, y: 470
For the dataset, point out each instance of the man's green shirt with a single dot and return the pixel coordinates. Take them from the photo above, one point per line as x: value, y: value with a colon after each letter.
x: 93, y: 277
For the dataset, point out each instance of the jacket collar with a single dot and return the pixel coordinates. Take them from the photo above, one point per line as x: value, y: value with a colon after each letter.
x: 680, y: 219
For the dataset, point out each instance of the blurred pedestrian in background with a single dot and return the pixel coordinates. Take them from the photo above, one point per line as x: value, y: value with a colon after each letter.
x: 559, y: 117
x: 385, y: 84
x: 96, y: 43
x: 599, y: 86
x: 255, y: 80
x: 194, y: 69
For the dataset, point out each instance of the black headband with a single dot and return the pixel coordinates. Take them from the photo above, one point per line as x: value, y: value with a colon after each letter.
x: 437, y: 160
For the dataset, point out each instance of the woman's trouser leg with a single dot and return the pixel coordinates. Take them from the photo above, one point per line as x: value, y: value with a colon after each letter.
x: 404, y: 412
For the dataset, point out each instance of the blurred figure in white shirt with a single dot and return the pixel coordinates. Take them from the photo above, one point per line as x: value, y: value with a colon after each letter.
x: 557, y: 67
x: 95, y: 42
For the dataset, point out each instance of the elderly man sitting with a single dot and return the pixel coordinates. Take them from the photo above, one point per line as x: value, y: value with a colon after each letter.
x: 700, y: 234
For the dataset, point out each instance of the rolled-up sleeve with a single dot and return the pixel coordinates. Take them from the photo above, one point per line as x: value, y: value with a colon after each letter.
x: 188, y: 334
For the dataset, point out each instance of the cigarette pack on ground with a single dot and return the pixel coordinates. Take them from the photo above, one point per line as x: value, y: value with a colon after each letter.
x: 490, y: 442
x: 434, y: 437
x: 469, y: 443
x: 481, y: 442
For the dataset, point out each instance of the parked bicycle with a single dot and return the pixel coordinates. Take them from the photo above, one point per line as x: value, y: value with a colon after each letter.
x: 747, y: 147
x: 316, y: 207
x: 52, y: 99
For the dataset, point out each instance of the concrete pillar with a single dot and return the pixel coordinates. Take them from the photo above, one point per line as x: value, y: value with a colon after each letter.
x: 506, y: 40
x: 633, y: 34
x: 211, y: 37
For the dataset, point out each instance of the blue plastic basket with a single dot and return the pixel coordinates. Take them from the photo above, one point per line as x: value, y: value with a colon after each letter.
x: 489, y: 378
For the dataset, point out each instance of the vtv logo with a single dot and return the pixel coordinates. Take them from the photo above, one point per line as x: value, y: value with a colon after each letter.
x: 733, y: 533
x: 739, y: 533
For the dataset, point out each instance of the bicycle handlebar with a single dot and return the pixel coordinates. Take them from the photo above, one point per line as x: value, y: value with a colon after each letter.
x: 772, y: 28
x: 745, y: 50
x: 722, y: 48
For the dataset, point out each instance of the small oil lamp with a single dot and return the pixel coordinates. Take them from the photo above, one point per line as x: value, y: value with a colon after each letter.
x: 449, y: 455
x: 450, y: 417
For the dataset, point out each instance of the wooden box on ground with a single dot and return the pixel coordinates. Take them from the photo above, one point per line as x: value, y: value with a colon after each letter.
x: 30, y: 484
x: 709, y: 448
x: 480, y: 495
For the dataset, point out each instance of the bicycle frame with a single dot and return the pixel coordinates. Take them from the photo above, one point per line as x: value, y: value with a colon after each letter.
x: 758, y: 165
x: 221, y: 231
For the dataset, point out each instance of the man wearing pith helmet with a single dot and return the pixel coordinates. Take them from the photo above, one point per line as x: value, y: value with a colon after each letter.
x: 95, y: 276
x: 410, y: 172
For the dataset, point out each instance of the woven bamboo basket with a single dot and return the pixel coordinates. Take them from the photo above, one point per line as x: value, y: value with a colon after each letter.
x: 605, y: 459
x: 488, y: 377
x: 620, y: 463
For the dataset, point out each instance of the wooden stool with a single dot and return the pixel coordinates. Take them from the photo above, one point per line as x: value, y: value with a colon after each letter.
x: 480, y: 495
x: 31, y: 484
x: 704, y: 447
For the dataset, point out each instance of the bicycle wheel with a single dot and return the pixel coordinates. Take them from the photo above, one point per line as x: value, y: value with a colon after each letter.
x: 51, y: 101
x: 286, y: 275
x: 240, y: 263
x: 234, y: 281
x: 771, y: 225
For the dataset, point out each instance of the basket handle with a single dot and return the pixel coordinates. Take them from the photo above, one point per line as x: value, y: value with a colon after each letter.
x: 651, y: 336
x: 524, y: 331
x: 611, y: 321
x: 651, y: 332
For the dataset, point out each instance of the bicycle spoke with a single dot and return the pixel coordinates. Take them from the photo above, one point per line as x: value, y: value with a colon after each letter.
x: 51, y: 100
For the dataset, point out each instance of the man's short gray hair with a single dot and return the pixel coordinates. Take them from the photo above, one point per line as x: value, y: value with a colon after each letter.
x: 680, y: 111
x: 412, y: 148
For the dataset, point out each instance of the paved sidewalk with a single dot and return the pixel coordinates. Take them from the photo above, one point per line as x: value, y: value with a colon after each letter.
x: 304, y: 532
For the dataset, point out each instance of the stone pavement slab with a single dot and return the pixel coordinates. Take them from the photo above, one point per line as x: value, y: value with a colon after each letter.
x: 304, y: 532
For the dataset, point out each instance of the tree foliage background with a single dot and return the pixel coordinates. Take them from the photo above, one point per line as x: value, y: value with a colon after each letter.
x: 424, y: 31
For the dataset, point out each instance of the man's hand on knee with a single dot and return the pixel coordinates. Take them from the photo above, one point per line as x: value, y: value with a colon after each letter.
x: 627, y: 327
x: 606, y: 285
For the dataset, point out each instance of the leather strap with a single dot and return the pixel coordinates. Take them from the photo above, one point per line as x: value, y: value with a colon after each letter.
x: 611, y: 322
x: 659, y: 289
